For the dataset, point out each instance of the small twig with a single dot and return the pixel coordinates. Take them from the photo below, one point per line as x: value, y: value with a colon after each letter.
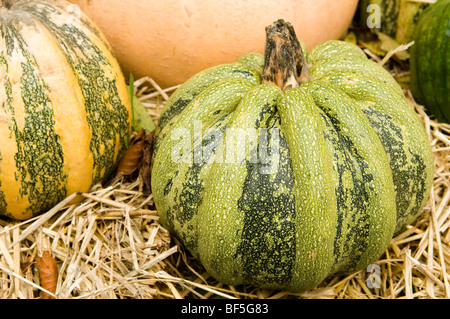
x: 402, y: 47
x: 154, y: 84
x: 154, y: 261
x: 109, y: 202
x: 166, y: 276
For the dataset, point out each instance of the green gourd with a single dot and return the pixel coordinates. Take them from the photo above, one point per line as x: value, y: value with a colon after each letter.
x: 280, y: 170
x: 430, y: 61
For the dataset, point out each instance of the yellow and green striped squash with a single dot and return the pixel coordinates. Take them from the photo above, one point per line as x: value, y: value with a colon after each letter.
x: 64, y: 107
x: 354, y: 166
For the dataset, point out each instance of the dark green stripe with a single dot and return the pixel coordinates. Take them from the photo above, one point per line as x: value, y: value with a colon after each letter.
x: 268, y: 246
x: 409, y: 171
x: 175, y: 108
x: 7, y: 104
x: 351, y: 197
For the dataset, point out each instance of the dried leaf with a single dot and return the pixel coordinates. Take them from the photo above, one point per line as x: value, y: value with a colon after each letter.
x: 48, y: 272
x: 145, y: 172
x: 388, y: 44
x: 132, y: 158
x: 398, y: 50
x: 380, y: 44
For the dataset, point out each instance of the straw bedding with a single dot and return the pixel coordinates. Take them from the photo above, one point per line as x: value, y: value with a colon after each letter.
x: 111, y: 245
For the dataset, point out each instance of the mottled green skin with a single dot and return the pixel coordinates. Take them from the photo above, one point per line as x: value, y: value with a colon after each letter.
x: 355, y: 166
x: 430, y: 60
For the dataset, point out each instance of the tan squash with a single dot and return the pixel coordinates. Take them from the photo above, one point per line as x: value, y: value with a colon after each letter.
x: 65, y: 115
x: 171, y: 40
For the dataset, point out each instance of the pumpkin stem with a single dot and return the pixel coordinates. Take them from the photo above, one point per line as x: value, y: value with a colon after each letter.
x: 284, y: 62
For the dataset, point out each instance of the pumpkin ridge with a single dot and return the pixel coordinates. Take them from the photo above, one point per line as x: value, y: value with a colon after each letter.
x: 257, y: 109
x: 191, y: 89
x: 326, y: 68
x: 393, y: 120
x: 37, y: 178
x: 31, y: 137
x: 351, y: 198
x: 267, y: 240
x: 266, y: 245
x: 375, y: 220
x: 190, y: 195
x: 313, y: 187
x: 413, y: 171
x: 334, y: 50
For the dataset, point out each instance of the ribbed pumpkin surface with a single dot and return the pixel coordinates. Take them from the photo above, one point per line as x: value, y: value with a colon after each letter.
x: 352, y: 165
x: 64, y: 107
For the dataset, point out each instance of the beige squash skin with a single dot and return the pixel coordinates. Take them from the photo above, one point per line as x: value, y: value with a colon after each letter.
x: 172, y: 40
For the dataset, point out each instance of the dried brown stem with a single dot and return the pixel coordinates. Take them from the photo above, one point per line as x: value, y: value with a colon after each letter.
x: 284, y: 62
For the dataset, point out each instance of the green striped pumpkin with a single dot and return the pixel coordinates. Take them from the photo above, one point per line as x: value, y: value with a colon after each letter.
x: 64, y: 112
x: 338, y: 165
x: 430, y: 61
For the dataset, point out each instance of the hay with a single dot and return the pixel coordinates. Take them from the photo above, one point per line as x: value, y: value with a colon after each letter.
x: 111, y: 245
